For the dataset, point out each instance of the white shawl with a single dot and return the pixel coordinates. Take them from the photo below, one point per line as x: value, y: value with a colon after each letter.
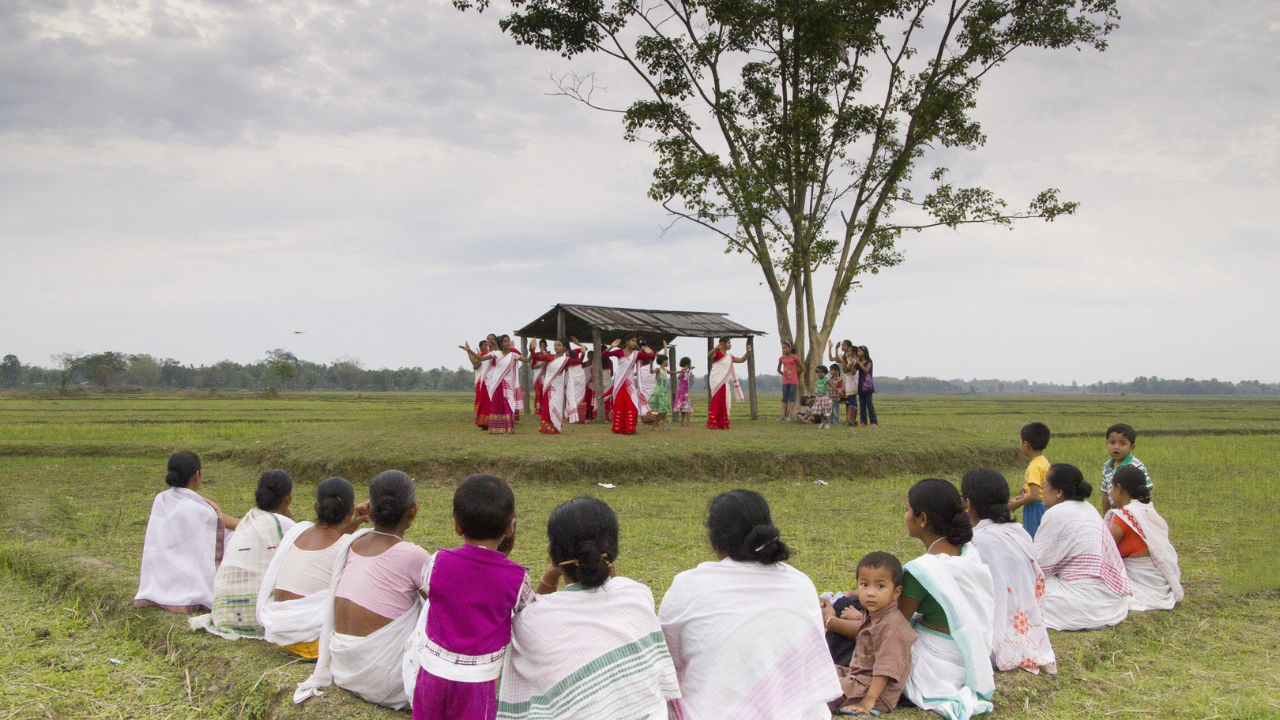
x: 626, y: 369
x: 239, y: 578
x: 588, y: 654
x: 369, y: 666
x: 1020, y: 639
x: 748, y: 644
x: 1086, y: 585
x: 722, y: 372
x: 1166, y: 581
x: 951, y: 675
x: 181, y: 552
x: 505, y: 367
x: 288, y: 622
x: 559, y: 383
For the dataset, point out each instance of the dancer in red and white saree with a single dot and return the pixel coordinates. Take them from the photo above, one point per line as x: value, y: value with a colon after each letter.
x: 480, y: 362
x: 721, y: 378
x: 538, y: 360
x: 559, y: 383
x: 579, y: 375
x: 503, y: 385
x: 628, y: 404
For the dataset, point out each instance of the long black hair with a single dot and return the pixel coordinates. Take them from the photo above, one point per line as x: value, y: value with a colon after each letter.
x: 334, y: 499
x: 583, y: 536
x: 273, y: 487
x: 940, y: 502
x: 741, y: 527
x: 1133, y: 481
x: 988, y: 494
x: 1068, y: 480
x: 183, y: 465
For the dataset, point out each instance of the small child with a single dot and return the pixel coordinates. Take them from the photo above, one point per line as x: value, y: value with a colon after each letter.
x: 683, y: 377
x: 881, y: 662
x: 1121, y: 440
x: 822, y: 401
x: 472, y: 592
x: 1035, y: 438
x: 835, y: 388
x: 805, y: 413
x: 660, y: 396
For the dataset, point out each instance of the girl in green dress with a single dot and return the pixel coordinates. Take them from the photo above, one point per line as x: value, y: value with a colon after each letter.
x: 660, y: 398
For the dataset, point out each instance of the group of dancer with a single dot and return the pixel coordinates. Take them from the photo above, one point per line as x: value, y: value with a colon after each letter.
x: 465, y: 633
x: 635, y: 384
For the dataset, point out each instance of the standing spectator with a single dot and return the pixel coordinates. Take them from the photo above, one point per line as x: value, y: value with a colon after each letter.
x: 788, y: 369
x: 866, y: 385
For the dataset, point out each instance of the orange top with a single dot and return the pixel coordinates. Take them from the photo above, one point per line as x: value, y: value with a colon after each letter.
x: 1131, y: 542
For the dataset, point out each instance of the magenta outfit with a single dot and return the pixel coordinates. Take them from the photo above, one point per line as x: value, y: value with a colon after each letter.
x: 682, y: 403
x: 472, y: 593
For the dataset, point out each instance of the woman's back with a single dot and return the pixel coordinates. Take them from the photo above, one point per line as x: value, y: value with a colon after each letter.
x: 378, y: 584
x: 745, y: 634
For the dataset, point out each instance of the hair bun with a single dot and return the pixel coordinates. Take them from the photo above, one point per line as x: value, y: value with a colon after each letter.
x: 172, y: 477
x: 961, y: 530
x: 764, y: 543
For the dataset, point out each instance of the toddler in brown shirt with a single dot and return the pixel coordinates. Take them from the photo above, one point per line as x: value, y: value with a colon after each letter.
x: 882, y: 655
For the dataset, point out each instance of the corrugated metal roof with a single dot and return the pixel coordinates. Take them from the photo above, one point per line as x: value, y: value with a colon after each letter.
x: 580, y: 319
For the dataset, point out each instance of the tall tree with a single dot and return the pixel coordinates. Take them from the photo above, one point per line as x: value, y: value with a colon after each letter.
x: 10, y: 371
x: 104, y: 368
x: 795, y: 129
x: 66, y: 364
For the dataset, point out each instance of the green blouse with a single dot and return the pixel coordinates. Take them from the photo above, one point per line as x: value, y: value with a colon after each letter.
x: 930, y: 611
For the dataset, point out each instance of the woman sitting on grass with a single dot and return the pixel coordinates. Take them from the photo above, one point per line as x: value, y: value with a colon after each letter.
x: 1086, y: 586
x: 1020, y: 639
x: 594, y: 649
x: 184, y: 544
x: 235, y: 589
x: 948, y: 597
x: 745, y: 632
x: 1142, y: 538
x: 377, y: 584
x: 295, y: 589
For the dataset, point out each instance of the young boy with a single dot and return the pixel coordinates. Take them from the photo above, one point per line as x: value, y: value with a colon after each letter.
x: 1035, y: 438
x: 881, y: 660
x: 472, y: 593
x: 1121, y: 439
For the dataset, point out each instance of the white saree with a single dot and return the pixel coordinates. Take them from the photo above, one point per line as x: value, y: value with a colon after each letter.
x: 722, y: 372
x: 951, y: 674
x: 558, y: 385
x: 626, y: 374
x: 1086, y: 586
x: 289, y: 622
x: 585, y: 654
x: 747, y: 643
x: 1020, y: 638
x: 1156, y: 580
x: 369, y: 666
x: 181, y: 553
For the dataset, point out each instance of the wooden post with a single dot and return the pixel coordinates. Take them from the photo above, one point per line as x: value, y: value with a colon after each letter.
x: 671, y: 374
x: 526, y: 376
x: 711, y: 345
x: 560, y: 323
x: 597, y: 371
x: 751, y: 378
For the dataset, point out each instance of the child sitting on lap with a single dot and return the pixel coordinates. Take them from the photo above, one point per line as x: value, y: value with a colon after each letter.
x: 881, y: 660
x: 472, y: 592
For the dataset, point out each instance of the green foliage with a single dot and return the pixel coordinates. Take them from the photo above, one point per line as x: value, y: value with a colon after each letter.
x: 10, y: 371
x: 793, y: 129
x: 103, y: 368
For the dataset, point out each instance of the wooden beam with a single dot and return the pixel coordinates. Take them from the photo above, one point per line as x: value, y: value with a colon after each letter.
x: 751, y: 378
x: 671, y: 375
x: 560, y: 323
x: 711, y: 345
x: 597, y: 370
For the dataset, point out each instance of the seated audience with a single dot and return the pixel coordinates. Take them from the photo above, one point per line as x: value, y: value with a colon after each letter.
x: 457, y: 648
x: 295, y: 588
x: 745, y: 632
x: 377, y: 583
x: 184, y: 543
x: 239, y: 578
x: 881, y: 661
x: 1142, y: 538
x: 1021, y: 639
x: 594, y: 649
x: 947, y: 594
x: 1086, y: 586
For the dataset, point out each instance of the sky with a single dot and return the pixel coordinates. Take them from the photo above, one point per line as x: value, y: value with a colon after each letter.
x: 204, y: 179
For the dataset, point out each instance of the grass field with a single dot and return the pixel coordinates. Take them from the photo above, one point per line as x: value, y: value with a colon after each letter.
x: 77, y: 477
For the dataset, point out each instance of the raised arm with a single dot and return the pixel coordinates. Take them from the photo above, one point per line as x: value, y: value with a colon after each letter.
x: 831, y: 356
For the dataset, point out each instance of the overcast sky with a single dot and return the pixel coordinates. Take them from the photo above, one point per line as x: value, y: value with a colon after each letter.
x: 201, y: 179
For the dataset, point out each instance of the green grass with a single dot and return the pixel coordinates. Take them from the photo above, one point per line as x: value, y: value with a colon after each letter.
x: 77, y: 477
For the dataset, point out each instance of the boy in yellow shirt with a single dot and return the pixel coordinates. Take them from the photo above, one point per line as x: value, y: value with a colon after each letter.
x: 1035, y: 438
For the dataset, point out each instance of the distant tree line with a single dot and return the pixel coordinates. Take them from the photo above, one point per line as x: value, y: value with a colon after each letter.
x: 283, y: 370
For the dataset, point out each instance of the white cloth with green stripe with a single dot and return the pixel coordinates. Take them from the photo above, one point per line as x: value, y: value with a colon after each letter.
x: 952, y: 675
x: 588, y: 654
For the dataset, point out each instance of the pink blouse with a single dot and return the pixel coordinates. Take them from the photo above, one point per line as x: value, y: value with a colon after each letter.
x: 384, y: 584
